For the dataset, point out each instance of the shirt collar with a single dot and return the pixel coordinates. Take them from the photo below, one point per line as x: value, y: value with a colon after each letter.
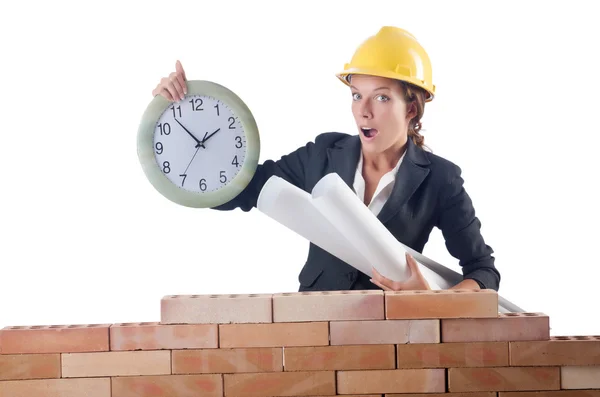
x: 392, y: 172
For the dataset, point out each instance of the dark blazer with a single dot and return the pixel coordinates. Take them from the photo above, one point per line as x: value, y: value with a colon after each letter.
x: 428, y: 193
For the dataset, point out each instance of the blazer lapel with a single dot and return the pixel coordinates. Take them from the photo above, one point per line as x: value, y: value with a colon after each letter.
x: 408, y: 179
x: 343, y: 159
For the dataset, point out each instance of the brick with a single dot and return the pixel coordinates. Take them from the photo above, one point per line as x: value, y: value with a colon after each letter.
x: 503, y: 379
x: 29, y: 366
x: 439, y: 304
x: 73, y: 338
x: 156, y: 336
x: 580, y: 377
x: 280, y: 384
x: 97, y: 387
x: 508, y: 327
x: 81, y: 365
x: 274, y: 335
x: 559, y: 350
x: 168, y: 386
x: 216, y: 309
x: 557, y: 393
x: 381, y: 332
x: 476, y: 394
x: 227, y: 360
x: 391, y: 381
x: 328, y: 306
x: 446, y: 355
x: 319, y: 358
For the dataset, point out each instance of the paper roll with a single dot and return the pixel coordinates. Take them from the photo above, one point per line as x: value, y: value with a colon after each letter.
x: 335, y: 219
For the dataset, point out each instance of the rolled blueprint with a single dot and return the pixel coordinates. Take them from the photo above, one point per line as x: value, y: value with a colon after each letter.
x: 342, y: 207
x: 339, y: 223
x: 335, y: 219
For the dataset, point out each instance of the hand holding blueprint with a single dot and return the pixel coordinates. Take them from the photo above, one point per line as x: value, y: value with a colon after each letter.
x: 334, y: 219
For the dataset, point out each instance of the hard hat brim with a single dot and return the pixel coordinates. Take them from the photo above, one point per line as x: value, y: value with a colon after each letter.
x: 430, y: 91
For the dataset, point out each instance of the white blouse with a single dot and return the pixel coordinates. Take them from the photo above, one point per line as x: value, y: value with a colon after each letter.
x: 384, y: 188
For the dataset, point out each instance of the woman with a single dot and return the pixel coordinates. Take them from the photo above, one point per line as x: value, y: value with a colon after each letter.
x: 409, y: 189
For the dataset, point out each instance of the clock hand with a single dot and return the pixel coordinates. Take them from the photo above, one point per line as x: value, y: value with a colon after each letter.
x: 202, y: 143
x: 199, y: 143
x: 188, y: 166
x: 208, y: 137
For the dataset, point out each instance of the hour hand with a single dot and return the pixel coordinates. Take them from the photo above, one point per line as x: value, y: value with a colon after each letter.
x: 199, y: 143
x: 208, y: 137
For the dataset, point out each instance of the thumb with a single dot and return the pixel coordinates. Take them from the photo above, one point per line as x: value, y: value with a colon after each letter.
x: 412, y: 264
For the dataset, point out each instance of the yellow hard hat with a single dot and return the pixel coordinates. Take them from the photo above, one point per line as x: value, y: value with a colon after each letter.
x: 392, y: 53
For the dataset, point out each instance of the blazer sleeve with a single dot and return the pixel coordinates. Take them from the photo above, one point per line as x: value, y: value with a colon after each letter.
x: 290, y: 167
x: 462, y: 233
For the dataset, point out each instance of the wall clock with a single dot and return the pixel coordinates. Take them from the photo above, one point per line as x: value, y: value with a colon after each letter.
x: 201, y: 151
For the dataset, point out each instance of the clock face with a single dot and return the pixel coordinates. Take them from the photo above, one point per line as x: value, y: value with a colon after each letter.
x: 199, y: 144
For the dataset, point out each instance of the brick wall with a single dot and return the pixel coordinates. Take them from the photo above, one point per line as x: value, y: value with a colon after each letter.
x: 353, y: 343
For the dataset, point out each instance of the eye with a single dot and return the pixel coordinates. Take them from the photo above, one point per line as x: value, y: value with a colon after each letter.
x: 383, y: 98
x: 355, y: 96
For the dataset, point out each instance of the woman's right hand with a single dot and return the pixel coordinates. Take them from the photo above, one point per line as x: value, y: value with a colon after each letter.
x: 174, y: 86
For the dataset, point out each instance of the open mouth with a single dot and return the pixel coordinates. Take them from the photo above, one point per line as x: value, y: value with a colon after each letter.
x: 368, y: 132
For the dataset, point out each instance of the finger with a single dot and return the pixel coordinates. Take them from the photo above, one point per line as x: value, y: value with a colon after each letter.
x: 377, y: 278
x: 377, y: 283
x: 180, y: 73
x: 179, y: 69
x: 414, y: 266
x: 166, y: 94
x: 376, y: 274
x: 182, y: 83
x: 177, y: 84
x: 410, y: 261
x: 391, y: 284
x: 178, y: 88
x: 160, y: 90
x: 383, y: 279
x: 170, y: 87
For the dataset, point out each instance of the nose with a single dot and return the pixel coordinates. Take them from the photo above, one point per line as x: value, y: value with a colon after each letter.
x: 365, y: 110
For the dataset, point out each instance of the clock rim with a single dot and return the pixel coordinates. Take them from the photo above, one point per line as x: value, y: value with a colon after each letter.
x: 145, y: 148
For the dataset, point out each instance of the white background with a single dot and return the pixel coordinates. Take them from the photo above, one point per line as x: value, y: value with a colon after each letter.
x: 87, y: 239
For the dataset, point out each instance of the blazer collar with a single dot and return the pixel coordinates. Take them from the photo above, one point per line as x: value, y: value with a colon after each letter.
x: 344, y: 157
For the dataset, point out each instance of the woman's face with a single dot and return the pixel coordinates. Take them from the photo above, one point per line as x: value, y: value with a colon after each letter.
x: 380, y: 113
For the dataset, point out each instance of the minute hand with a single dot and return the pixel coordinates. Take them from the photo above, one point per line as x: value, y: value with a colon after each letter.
x: 199, y: 143
x: 208, y: 137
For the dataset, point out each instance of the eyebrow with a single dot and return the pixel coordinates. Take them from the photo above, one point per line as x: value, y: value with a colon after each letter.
x: 380, y: 88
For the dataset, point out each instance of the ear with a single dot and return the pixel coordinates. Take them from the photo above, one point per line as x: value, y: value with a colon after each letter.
x: 411, y: 110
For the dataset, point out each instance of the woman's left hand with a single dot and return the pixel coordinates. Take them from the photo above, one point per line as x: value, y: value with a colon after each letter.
x: 416, y: 281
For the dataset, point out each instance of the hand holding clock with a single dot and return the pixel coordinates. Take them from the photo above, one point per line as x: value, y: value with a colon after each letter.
x: 173, y: 87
